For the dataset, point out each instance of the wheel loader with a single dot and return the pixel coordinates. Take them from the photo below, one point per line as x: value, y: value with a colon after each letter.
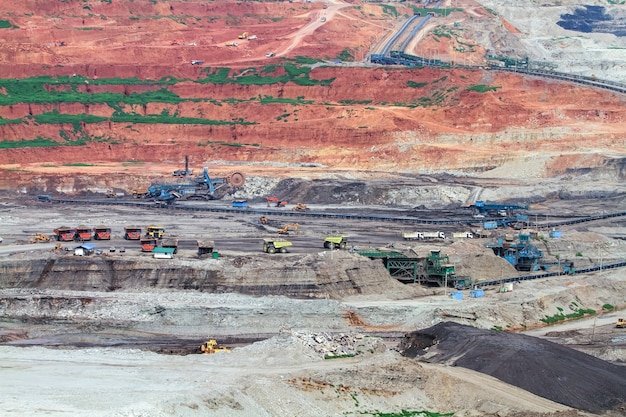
x: 211, y: 346
x: 39, y: 238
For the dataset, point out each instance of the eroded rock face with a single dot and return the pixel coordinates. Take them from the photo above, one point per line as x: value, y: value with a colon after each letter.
x: 310, y: 277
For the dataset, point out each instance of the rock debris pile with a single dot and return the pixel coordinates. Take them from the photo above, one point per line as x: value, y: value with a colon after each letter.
x: 329, y: 345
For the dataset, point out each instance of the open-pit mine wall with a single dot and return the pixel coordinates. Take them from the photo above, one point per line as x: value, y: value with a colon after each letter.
x: 310, y: 277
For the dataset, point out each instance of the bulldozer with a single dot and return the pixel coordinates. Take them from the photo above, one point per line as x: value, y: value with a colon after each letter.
x: 300, y: 207
x: 285, y: 230
x: 39, y: 238
x: 621, y: 323
x: 211, y: 346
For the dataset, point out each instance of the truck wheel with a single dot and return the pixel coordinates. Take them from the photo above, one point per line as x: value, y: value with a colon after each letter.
x: 327, y: 245
x: 342, y: 245
x: 283, y: 250
x: 271, y: 249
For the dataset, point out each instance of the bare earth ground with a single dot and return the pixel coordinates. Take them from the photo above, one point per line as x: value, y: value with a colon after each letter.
x: 116, y: 331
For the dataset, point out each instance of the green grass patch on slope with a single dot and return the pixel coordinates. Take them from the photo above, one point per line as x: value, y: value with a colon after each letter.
x: 481, y: 88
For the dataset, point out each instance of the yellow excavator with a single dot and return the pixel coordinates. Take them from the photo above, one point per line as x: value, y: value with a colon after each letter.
x: 285, y: 230
x: 211, y: 346
x: 243, y: 35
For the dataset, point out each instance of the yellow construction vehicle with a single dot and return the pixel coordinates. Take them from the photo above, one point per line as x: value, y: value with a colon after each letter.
x: 621, y: 323
x: 39, y: 238
x: 211, y: 346
x: 155, y: 232
x: 57, y: 248
x: 285, y: 230
x: 243, y: 35
x: 300, y: 207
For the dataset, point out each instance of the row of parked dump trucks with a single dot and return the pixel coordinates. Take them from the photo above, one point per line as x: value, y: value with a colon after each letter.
x: 85, y: 233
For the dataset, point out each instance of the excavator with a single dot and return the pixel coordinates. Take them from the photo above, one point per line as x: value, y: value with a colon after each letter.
x: 285, y: 230
x: 275, y: 201
x: 39, y: 238
x: 243, y: 35
x: 211, y: 346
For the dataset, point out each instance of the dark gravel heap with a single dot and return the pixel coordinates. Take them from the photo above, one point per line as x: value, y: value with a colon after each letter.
x: 552, y: 371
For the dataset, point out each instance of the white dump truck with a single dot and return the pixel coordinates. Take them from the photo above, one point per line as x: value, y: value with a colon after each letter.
x: 462, y: 235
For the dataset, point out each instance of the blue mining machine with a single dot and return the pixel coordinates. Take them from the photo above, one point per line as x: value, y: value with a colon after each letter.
x: 525, y: 256
x: 200, y: 188
x: 486, y: 208
x: 522, y: 254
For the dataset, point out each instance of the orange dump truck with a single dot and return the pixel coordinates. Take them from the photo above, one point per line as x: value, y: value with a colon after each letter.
x: 148, y: 244
x: 132, y: 233
x: 102, y: 233
x: 83, y: 233
x: 64, y: 234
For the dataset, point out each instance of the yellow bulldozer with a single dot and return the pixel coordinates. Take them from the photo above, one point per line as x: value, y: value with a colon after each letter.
x: 285, y: 230
x: 39, y: 238
x: 211, y: 346
x: 300, y: 207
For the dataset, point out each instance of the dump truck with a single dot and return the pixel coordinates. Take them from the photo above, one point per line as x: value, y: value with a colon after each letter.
x: 170, y: 243
x: 155, y: 231
x: 64, y: 234
x: 113, y: 194
x: 132, y: 233
x: 205, y: 247
x: 211, y: 346
x: 140, y: 193
x: 148, y: 244
x: 83, y: 233
x: 273, y: 246
x: 102, y: 233
x: 336, y: 242
x: 462, y: 235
